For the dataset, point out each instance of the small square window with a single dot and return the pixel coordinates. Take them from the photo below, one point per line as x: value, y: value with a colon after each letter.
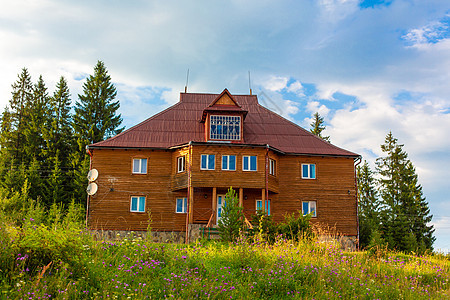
x: 260, y: 207
x: 181, y: 164
x: 308, y: 171
x: 181, y: 205
x: 272, y: 166
x: 229, y: 162
x: 137, y: 204
x: 208, y: 162
x: 309, y: 207
x: 139, y: 166
x: 249, y: 163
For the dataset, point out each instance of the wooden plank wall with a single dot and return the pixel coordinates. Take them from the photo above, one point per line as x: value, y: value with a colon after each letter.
x: 333, y: 189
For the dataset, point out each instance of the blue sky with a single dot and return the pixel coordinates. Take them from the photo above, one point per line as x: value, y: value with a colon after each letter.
x: 369, y: 67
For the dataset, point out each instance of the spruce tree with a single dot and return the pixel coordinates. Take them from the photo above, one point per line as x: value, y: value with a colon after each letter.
x: 405, y: 213
x: 17, y: 114
x: 96, y: 115
x: 368, y: 204
x: 317, y: 126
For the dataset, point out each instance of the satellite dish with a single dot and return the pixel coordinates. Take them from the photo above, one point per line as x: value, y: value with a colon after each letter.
x: 92, y: 175
x: 92, y: 188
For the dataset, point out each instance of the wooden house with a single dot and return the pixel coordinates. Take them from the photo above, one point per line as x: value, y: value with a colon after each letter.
x: 179, y: 163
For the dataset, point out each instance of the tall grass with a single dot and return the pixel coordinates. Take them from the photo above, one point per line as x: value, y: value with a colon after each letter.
x: 56, y: 258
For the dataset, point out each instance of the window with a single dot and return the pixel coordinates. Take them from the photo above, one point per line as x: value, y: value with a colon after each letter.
x: 249, y: 163
x: 272, y: 166
x: 139, y: 166
x: 181, y: 205
x: 181, y: 162
x: 225, y: 128
x: 308, y: 171
x: 259, y: 206
x: 208, y: 162
x: 309, y: 207
x: 137, y: 204
x: 229, y: 162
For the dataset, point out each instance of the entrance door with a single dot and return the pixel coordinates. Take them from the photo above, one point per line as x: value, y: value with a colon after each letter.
x: 220, y: 203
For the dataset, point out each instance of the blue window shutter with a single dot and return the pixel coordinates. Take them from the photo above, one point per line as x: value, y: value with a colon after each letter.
x: 144, y: 165
x: 305, y: 208
x: 245, y: 161
x: 141, y: 203
x: 232, y: 163
x: 268, y: 207
x: 305, y: 171
x: 211, y: 162
x: 258, y: 204
x: 134, y: 204
x: 136, y: 165
x: 203, y: 163
x: 253, y: 163
x: 312, y: 171
x: 225, y: 162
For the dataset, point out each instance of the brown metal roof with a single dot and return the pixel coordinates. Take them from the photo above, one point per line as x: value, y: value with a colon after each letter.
x: 180, y: 124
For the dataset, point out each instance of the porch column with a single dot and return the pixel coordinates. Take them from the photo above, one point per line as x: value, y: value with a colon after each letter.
x: 214, y: 204
x: 241, y: 197
x: 191, y: 205
x: 263, y: 198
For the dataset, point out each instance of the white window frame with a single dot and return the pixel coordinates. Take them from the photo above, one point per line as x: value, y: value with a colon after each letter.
x: 272, y: 167
x: 207, y: 161
x: 310, y: 205
x: 138, y: 202
x: 309, y: 175
x: 181, y: 164
x: 263, y: 208
x: 224, y: 120
x: 227, y: 168
x: 249, y: 163
x: 183, y: 205
x: 141, y: 164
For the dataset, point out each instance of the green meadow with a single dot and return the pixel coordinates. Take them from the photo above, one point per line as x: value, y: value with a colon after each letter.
x: 51, y: 256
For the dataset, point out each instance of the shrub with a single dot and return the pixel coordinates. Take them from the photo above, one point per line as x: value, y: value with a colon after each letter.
x: 263, y: 226
x: 295, y: 227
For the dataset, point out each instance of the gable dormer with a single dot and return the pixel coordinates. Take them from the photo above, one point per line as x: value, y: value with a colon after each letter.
x: 224, y: 119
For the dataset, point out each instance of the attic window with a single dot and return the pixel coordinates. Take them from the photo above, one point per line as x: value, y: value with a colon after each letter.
x: 225, y: 128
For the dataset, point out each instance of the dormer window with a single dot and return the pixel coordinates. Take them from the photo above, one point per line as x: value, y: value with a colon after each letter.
x: 225, y: 128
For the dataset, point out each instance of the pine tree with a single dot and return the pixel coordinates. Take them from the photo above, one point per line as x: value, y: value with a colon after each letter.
x: 58, y: 133
x: 405, y: 212
x: 37, y: 116
x: 317, y: 126
x: 368, y: 204
x: 231, y: 221
x: 96, y: 115
x: 13, y: 134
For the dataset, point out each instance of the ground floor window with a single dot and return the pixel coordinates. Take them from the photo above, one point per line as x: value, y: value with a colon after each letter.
x: 259, y: 206
x: 137, y: 204
x: 309, y: 207
x: 181, y: 205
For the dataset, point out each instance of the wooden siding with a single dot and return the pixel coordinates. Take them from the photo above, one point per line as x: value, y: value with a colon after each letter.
x: 333, y: 189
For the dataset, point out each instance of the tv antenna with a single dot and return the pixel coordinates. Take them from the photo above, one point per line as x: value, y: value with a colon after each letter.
x: 187, y: 81
x: 249, y: 83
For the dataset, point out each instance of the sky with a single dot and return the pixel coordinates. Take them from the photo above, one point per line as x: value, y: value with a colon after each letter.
x: 368, y: 67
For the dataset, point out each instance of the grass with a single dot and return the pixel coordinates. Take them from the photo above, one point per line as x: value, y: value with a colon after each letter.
x: 62, y: 263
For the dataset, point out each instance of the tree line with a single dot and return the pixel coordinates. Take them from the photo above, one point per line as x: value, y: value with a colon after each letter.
x: 392, y: 210
x: 43, y: 137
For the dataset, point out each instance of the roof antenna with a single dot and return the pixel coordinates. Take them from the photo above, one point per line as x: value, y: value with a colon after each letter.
x: 187, y: 81
x: 249, y: 83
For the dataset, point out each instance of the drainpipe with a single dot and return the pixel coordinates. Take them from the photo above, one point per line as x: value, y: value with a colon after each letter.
x: 88, y: 151
x: 357, y: 162
x: 266, y: 206
x: 188, y: 210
